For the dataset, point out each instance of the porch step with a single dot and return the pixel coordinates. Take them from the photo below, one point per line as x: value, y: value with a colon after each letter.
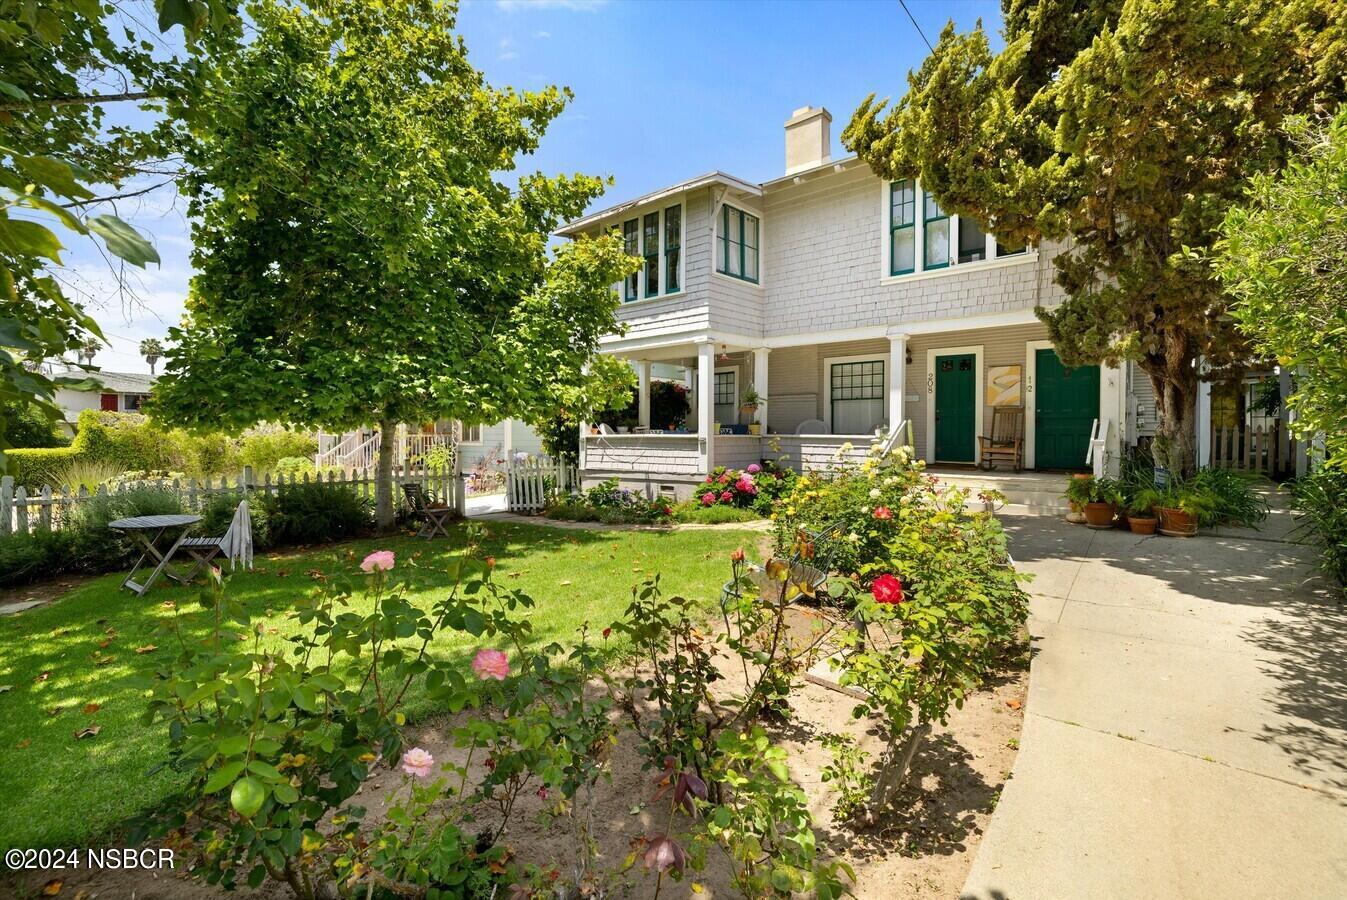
x: 1027, y: 493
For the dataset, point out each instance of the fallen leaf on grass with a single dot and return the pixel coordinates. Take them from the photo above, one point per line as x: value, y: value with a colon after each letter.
x: 1013, y: 704
x: 102, y: 645
x: 91, y: 708
x: 53, y: 887
x: 55, y: 711
x: 148, y: 648
x: 563, y: 583
x: 23, y: 743
x: 88, y: 731
x: 43, y: 676
x: 102, y: 660
x: 6, y: 688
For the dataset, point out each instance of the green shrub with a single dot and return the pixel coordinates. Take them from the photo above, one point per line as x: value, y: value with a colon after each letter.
x: 1323, y: 517
x: 218, y: 514
x: 693, y: 511
x: 293, y: 465
x: 315, y: 513
x: 265, y: 446
x: 97, y: 548
x: 33, y: 557
x: 1230, y: 499
x: 35, y: 467
x: 24, y: 426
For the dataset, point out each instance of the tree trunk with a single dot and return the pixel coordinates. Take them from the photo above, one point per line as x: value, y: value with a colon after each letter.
x: 893, y: 773
x: 383, y: 482
x: 1174, y: 381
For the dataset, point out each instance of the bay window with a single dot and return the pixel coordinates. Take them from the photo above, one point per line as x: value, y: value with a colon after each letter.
x: 922, y: 237
x: 673, y: 243
x: 631, y: 246
x: 656, y: 238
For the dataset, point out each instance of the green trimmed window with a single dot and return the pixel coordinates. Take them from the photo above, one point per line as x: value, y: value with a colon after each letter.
x: 972, y: 241
x: 737, y: 248
x: 651, y: 252
x: 631, y: 246
x: 935, y: 234
x: 902, y: 227
x: 673, y: 243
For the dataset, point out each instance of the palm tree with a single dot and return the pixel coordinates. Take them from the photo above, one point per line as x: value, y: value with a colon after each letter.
x: 151, y: 349
x: 88, y: 349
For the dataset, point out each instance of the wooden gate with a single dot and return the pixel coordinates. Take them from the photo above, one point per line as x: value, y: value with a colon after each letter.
x: 531, y: 483
x: 1268, y: 449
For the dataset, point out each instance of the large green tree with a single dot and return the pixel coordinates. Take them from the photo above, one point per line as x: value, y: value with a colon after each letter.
x: 359, y: 259
x: 1283, y: 257
x: 57, y: 59
x: 1123, y: 129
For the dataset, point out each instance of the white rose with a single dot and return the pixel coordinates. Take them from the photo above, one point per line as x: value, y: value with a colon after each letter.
x: 874, y: 493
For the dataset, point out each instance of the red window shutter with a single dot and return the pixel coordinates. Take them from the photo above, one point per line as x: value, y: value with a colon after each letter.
x: 109, y: 403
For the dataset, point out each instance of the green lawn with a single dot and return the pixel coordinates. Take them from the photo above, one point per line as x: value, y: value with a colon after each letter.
x: 58, y: 790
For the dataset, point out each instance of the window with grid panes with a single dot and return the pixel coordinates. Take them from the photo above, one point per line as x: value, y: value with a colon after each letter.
x: 651, y: 250
x: 856, y: 393
x: 737, y: 247
x: 902, y: 227
x: 631, y: 246
x: 673, y: 238
x: 935, y: 233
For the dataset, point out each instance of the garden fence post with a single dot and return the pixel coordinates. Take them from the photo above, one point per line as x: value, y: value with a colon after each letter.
x: 6, y: 503
x: 44, y: 511
x: 21, y: 508
x: 460, y: 493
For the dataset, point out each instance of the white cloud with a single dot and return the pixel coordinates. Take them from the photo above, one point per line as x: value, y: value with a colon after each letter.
x: 542, y: 35
x: 567, y: 5
x: 507, y: 49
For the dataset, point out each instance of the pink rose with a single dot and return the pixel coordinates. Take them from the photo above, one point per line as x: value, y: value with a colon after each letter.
x: 378, y: 561
x: 726, y: 496
x: 417, y: 762
x: 883, y: 512
x: 744, y: 486
x: 491, y: 664
x: 708, y: 498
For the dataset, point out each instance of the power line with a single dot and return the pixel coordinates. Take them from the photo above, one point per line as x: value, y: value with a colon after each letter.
x: 903, y: 4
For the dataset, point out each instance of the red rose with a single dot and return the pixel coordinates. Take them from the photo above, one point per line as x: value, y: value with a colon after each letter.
x: 883, y: 512
x: 887, y: 589
x: 737, y: 555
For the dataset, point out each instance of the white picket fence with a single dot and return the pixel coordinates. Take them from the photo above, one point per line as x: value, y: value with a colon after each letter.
x: 530, y: 483
x: 48, y: 510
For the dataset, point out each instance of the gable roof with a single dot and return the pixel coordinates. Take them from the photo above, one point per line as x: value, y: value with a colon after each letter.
x: 112, y: 382
x: 576, y: 226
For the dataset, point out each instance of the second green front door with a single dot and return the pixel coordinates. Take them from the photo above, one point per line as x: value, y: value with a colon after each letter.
x: 1066, y: 403
x: 955, y: 407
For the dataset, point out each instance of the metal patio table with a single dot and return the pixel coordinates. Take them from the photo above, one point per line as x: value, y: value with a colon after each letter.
x: 149, y: 532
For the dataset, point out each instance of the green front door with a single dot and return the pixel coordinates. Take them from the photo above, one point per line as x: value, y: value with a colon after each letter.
x: 1066, y: 403
x: 955, y: 405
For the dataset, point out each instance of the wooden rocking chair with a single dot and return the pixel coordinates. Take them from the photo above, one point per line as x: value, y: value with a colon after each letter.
x: 1006, y: 443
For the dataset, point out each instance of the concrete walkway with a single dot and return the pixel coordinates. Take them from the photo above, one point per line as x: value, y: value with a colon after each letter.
x: 1185, y: 734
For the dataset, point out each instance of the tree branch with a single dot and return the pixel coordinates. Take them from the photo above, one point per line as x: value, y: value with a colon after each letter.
x: 153, y: 187
x: 82, y: 100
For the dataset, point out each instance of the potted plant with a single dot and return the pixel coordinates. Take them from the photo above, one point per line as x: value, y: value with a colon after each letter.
x: 1179, y: 508
x: 1077, y: 514
x: 1097, y: 498
x: 1141, y: 511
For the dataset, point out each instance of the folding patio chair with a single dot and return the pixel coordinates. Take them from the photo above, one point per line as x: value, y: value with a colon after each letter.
x: 432, y: 517
x: 236, y: 544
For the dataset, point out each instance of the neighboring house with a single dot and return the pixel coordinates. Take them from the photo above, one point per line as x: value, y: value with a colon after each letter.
x: 116, y: 392
x: 850, y: 304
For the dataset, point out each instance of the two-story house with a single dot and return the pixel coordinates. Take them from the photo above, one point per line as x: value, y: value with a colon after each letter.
x: 848, y: 304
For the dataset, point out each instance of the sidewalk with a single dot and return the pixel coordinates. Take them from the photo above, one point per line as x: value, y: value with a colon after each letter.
x: 1186, y: 729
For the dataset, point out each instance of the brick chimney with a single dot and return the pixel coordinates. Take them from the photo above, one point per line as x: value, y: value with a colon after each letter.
x: 808, y: 141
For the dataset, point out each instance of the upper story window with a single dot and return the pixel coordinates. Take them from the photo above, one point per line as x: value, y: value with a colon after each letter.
x: 922, y: 237
x: 737, y: 246
x: 656, y: 238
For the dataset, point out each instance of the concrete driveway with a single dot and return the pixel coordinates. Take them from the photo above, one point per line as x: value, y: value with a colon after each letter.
x: 1186, y: 729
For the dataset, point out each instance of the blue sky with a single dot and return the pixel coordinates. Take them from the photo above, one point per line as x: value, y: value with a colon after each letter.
x: 663, y: 91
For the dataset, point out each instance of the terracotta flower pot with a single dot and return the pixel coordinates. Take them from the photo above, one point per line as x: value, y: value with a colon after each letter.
x: 1175, y: 522
x: 1100, y: 515
x: 1142, y: 524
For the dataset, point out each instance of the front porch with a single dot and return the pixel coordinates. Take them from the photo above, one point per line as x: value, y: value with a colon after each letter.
x: 943, y: 383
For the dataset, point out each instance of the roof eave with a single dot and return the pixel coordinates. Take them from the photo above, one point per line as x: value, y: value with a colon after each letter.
x: 577, y: 226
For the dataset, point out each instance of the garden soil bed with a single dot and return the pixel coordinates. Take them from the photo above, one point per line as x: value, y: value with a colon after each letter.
x: 924, y: 851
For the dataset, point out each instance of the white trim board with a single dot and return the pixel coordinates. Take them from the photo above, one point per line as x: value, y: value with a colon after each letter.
x: 979, y: 389
x: 1030, y: 388
x: 826, y: 391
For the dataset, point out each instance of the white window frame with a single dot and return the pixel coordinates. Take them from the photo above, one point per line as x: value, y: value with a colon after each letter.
x: 762, y: 242
x: 639, y: 215
x: 464, y: 429
x: 886, y: 276
x: 827, y: 392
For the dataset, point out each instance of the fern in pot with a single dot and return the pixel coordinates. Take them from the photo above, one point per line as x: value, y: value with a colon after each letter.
x: 1097, y: 497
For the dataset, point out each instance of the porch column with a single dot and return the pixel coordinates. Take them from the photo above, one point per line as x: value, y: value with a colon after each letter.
x: 706, y: 400
x: 897, y: 380
x: 643, y: 392
x: 760, y: 385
